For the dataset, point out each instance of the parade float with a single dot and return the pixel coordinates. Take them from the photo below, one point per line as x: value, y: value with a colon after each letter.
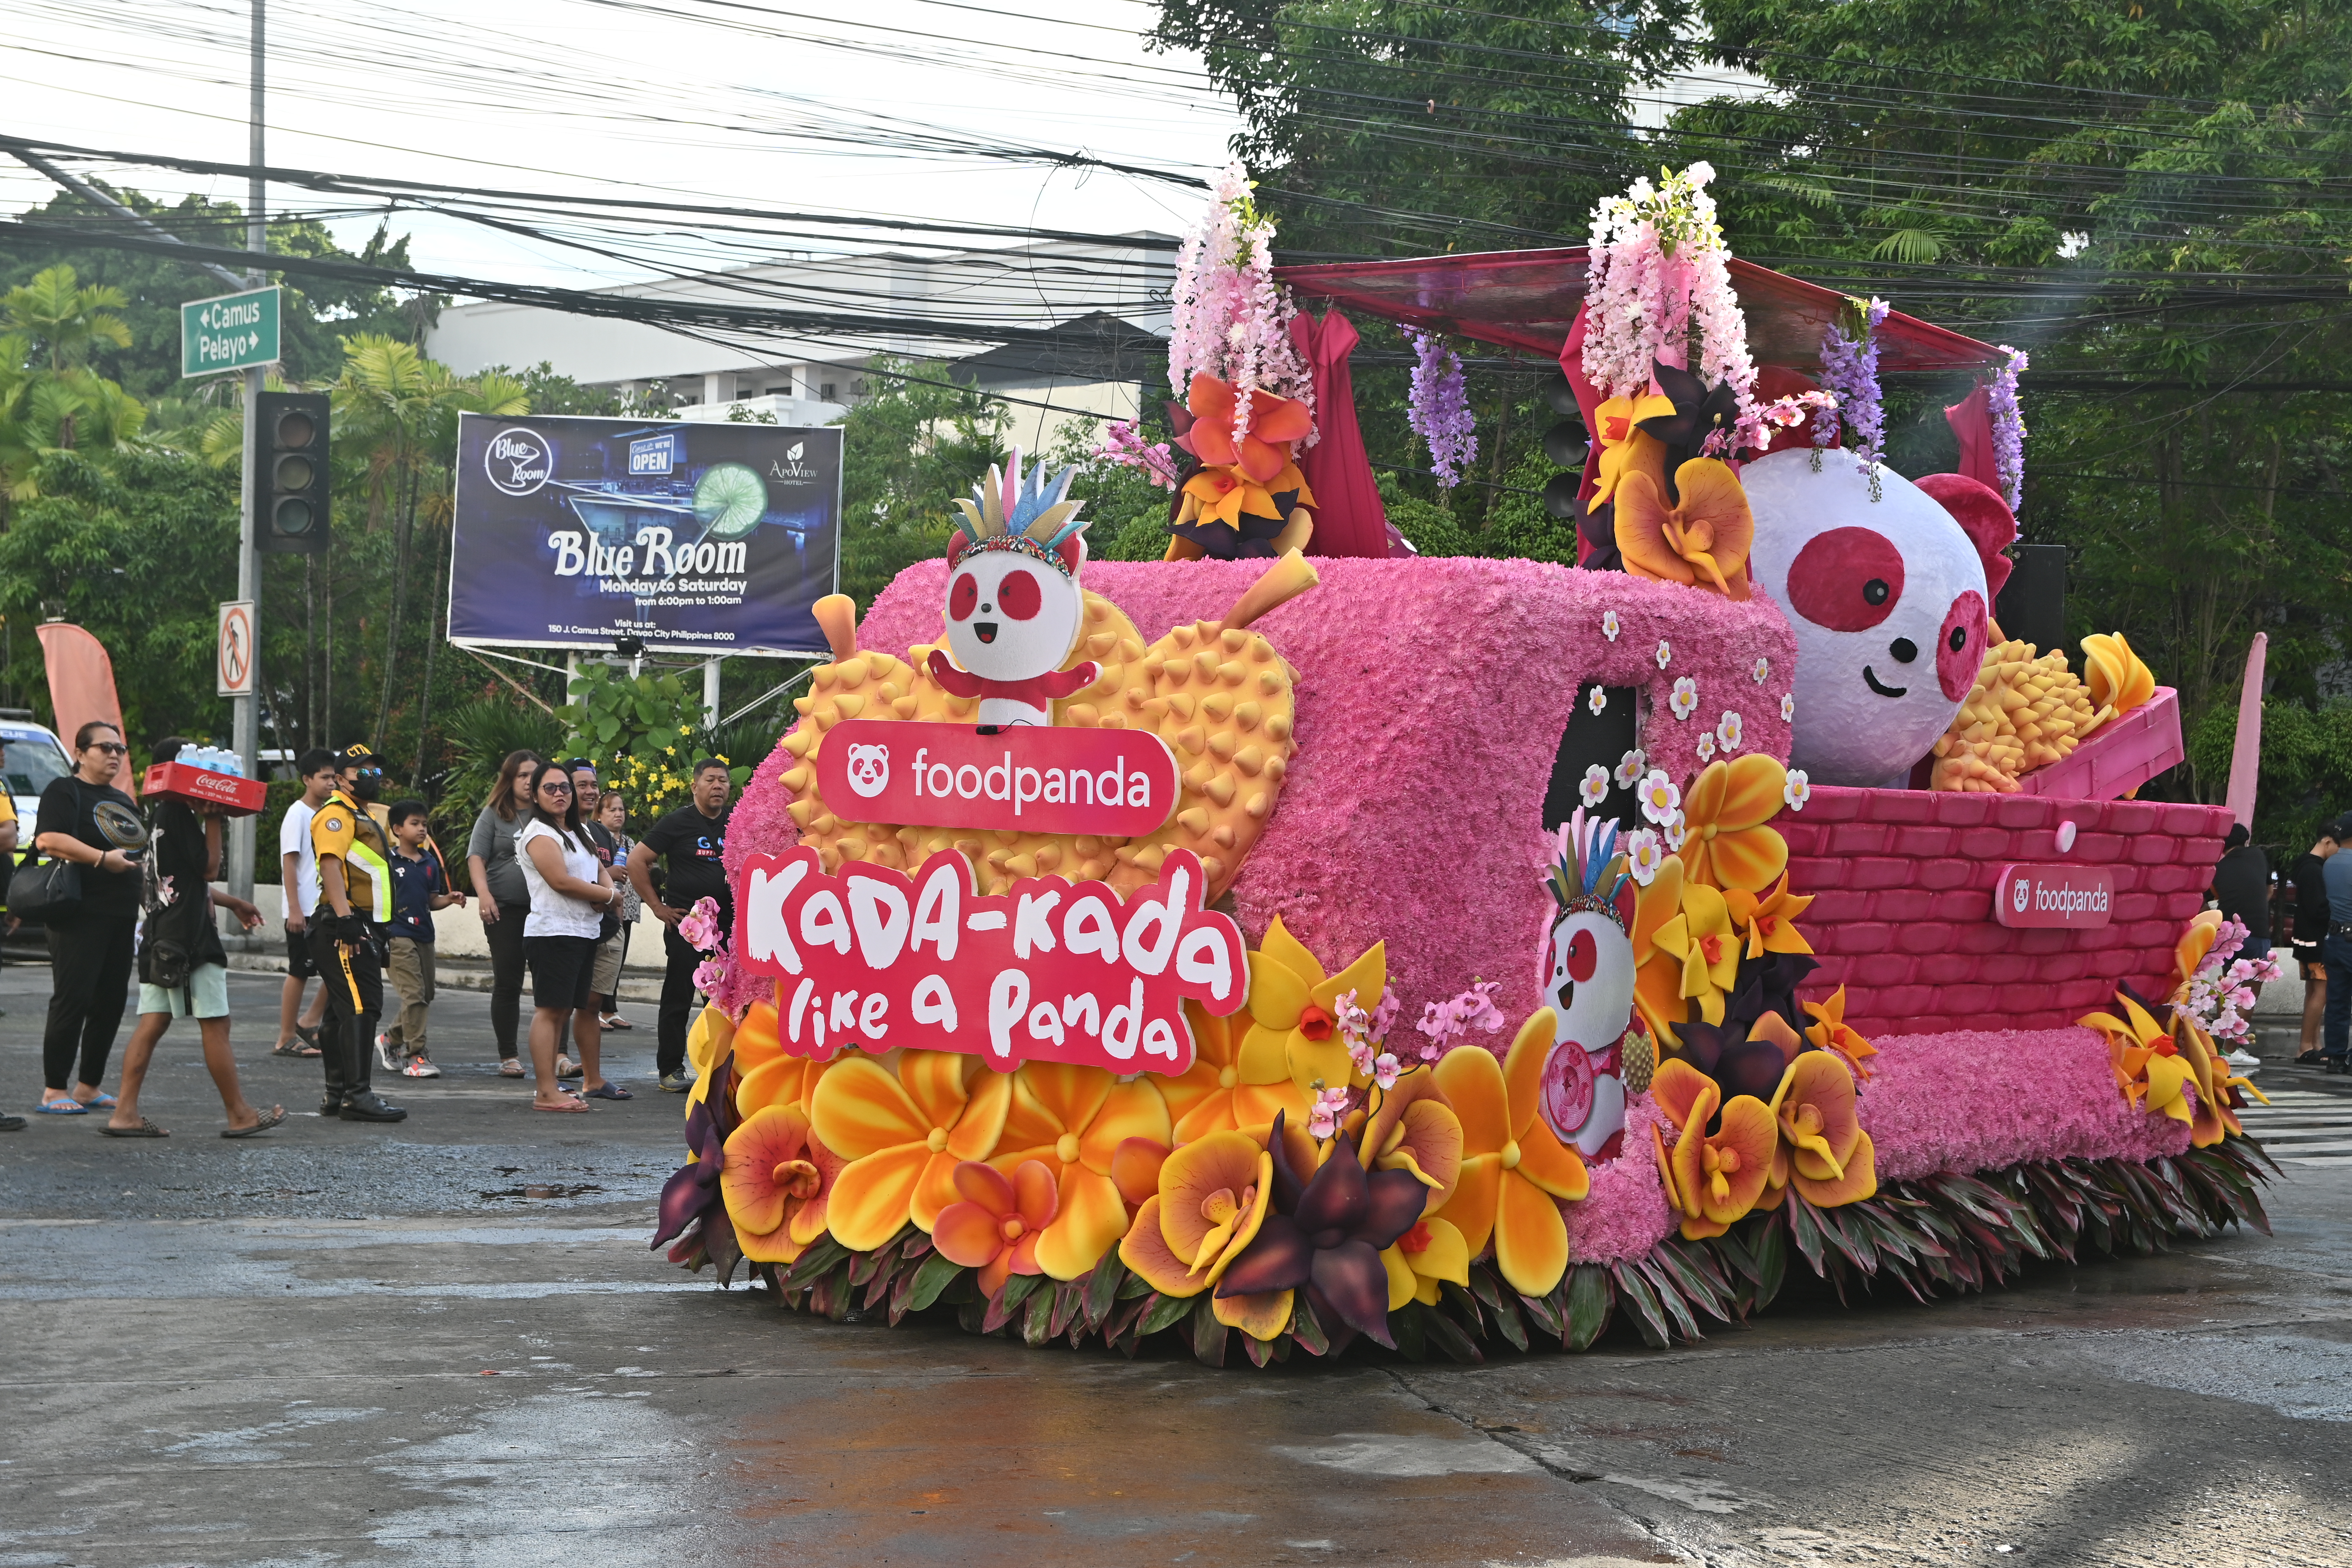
x: 1296, y: 941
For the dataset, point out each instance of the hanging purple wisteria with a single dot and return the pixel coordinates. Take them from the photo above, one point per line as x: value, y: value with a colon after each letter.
x: 2009, y: 428
x: 1440, y: 409
x: 1850, y: 371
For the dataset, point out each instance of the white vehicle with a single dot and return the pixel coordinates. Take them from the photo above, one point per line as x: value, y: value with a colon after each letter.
x: 35, y: 756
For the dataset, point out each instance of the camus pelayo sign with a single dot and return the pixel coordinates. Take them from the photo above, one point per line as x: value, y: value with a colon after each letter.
x: 1049, y: 971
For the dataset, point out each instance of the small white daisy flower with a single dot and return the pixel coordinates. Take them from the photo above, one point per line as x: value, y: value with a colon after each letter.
x: 1728, y: 730
x: 1610, y: 626
x: 1595, y: 787
x: 1598, y: 701
x: 1675, y: 831
x: 1644, y: 853
x: 1666, y: 654
x: 1763, y: 670
x: 1787, y: 708
x: 1630, y: 768
x: 1661, y: 800
x: 1684, y: 701
x: 1706, y: 748
x: 1798, y: 790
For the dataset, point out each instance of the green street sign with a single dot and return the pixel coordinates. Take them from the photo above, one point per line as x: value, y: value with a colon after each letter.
x: 234, y: 331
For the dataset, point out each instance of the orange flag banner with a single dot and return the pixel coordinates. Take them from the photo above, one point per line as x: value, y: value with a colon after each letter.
x: 81, y: 687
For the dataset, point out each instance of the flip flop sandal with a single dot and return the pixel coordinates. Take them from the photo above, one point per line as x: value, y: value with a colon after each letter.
x: 610, y: 1091
x: 101, y: 1101
x: 270, y: 1118
x: 145, y: 1128
x: 63, y: 1108
x: 509, y: 1068
x: 569, y: 1108
x: 2309, y: 1059
x: 295, y: 1047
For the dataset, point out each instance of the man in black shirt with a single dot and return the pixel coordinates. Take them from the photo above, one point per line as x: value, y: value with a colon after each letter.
x: 2241, y: 887
x: 691, y: 842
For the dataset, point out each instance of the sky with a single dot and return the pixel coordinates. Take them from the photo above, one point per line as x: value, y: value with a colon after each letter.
x: 739, y: 102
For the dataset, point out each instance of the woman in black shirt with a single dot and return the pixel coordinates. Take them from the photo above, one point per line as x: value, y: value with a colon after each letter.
x: 85, y: 819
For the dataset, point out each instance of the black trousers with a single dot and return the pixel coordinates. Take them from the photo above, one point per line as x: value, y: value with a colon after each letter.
x: 89, y: 984
x: 353, y: 978
x: 505, y: 937
x: 677, y: 1015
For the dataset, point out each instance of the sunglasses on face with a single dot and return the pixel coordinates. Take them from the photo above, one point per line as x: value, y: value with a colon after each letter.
x: 111, y: 748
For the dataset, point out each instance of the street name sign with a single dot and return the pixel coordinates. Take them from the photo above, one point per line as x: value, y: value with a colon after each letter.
x: 233, y: 332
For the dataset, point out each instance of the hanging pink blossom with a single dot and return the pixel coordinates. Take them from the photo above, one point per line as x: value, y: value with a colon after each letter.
x: 1441, y: 407
x: 1658, y: 272
x: 1123, y: 444
x: 2009, y: 428
x: 1229, y: 318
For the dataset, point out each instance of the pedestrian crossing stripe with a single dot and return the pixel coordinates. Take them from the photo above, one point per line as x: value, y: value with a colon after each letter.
x: 2303, y: 1127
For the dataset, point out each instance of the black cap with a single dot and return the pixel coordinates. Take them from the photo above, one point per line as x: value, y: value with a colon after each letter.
x: 2237, y: 837
x: 2340, y: 829
x: 356, y: 754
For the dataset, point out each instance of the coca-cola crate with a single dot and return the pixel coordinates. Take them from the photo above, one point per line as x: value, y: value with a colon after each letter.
x: 225, y: 792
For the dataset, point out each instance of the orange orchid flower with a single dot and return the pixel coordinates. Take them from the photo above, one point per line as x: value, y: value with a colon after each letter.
x: 1828, y: 1031
x: 778, y: 1183
x: 1625, y: 448
x: 1703, y: 542
x: 1727, y: 842
x: 2190, y: 949
x: 1431, y: 1253
x: 2146, y: 1063
x: 1715, y: 1179
x: 1770, y: 922
x: 1213, y: 1196
x: 904, y: 1135
x: 1825, y: 1153
x: 1264, y: 450
x: 1072, y: 1120
x: 1516, y: 1171
x: 2215, y: 1118
x: 996, y: 1225
x: 1210, y: 1095
x: 1412, y: 1128
x: 765, y: 1075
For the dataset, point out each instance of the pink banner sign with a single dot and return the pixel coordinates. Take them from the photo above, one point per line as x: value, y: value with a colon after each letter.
x: 1114, y: 784
x: 1050, y: 971
x: 2080, y: 898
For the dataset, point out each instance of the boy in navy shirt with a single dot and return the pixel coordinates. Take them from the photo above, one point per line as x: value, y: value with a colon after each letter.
x: 418, y: 888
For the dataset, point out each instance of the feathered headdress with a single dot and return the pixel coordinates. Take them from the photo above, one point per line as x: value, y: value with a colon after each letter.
x: 1034, y: 517
x: 1585, y: 869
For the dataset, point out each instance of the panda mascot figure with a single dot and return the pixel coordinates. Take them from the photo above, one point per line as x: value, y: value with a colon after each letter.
x: 1588, y: 985
x: 1015, y: 607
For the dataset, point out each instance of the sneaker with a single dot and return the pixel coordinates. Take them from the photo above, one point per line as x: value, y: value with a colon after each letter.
x: 384, y: 1058
x: 2243, y: 1061
x: 677, y: 1082
x: 420, y: 1066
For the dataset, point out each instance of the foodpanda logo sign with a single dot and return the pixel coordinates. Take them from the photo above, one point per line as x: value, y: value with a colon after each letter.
x: 1026, y: 779
x: 869, y: 770
x: 517, y: 461
x: 2075, y: 898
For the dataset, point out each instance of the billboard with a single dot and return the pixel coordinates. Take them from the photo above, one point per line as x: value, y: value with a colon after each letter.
x: 691, y: 538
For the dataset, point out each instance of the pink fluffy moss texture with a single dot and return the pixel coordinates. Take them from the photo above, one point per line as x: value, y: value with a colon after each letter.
x: 1432, y: 698
x: 1966, y: 1102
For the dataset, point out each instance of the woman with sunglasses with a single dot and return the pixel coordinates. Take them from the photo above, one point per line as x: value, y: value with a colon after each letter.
x: 569, y: 891
x: 88, y: 821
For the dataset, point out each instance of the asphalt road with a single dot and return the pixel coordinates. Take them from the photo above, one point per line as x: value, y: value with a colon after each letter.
x: 446, y: 1343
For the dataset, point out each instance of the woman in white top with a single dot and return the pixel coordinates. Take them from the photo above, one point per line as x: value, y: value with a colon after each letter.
x: 569, y: 891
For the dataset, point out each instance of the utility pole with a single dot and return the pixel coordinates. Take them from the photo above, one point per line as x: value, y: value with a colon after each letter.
x: 245, y: 713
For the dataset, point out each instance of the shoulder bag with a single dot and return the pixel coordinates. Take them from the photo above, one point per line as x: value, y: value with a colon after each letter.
x: 47, y: 890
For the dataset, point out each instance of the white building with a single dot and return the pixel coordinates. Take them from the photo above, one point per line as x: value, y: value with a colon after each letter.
x: 1100, y: 308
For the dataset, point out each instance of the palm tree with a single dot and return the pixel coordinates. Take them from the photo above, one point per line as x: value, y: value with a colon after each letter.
x: 64, y: 318
x: 57, y: 409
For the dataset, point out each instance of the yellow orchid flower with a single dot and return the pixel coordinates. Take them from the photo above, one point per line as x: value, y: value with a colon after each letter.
x: 2190, y: 949
x: 1727, y: 844
x: 2119, y: 682
x: 2147, y: 1064
x: 1430, y: 1253
x: 1828, y: 1031
x: 2215, y: 1118
x: 1210, y: 1095
x: 1715, y: 1179
x: 1768, y: 924
x: 1412, y: 1128
x: 1701, y: 939
x: 1294, y: 1011
x: 903, y: 1136
x: 1658, y: 975
x: 1825, y: 1153
x: 1073, y: 1119
x: 1516, y: 1171
x: 778, y: 1184
x: 1625, y: 448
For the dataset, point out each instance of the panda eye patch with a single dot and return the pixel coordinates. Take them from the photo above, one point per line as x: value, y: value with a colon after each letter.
x: 1584, y: 956
x: 964, y: 597
x: 1018, y: 595
x: 1846, y: 580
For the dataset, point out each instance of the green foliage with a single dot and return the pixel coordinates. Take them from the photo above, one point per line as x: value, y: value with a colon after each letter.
x: 906, y: 452
x: 2304, y: 778
x: 481, y: 734
x: 646, y: 733
x: 267, y: 869
x: 50, y: 400
x: 1126, y: 511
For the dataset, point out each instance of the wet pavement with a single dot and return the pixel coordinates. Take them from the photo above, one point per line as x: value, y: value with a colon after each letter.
x: 446, y: 1343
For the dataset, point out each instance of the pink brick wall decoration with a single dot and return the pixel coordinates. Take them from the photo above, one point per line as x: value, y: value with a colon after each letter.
x: 1908, y: 931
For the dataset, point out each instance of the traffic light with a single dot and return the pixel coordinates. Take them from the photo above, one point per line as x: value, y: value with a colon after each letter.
x: 1564, y: 444
x: 290, y: 488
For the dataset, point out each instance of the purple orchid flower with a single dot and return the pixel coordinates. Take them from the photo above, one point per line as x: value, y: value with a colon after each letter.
x: 692, y: 1190
x: 1326, y: 1237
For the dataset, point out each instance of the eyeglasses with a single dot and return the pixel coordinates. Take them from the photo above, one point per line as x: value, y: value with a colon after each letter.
x: 111, y: 748
x: 554, y: 787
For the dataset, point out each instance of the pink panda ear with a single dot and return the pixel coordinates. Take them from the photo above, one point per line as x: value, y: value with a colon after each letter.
x: 1623, y: 902
x: 1982, y: 515
x: 957, y: 543
x: 1073, y: 552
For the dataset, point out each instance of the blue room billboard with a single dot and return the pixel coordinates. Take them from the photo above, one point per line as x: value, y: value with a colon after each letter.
x: 691, y: 538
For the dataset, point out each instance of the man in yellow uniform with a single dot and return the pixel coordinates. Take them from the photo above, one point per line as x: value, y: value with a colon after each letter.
x: 354, y: 903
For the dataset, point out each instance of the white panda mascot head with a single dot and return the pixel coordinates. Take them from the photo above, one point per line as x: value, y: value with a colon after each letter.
x: 1588, y: 982
x: 1889, y: 595
x: 1014, y: 608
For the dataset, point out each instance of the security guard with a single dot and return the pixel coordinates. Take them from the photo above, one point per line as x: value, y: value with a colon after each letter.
x: 354, y: 903
x: 361, y: 772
